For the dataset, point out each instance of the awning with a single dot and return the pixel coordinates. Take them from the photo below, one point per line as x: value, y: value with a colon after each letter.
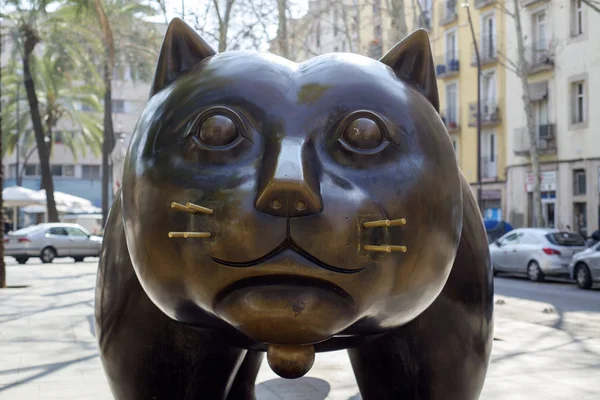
x: 538, y: 91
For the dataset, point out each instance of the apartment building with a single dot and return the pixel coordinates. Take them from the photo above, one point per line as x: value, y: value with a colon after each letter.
x: 563, y: 53
x: 329, y: 26
x: 456, y: 69
x: 81, y: 174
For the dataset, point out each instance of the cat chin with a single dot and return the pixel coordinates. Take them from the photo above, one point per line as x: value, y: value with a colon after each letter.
x: 287, y: 310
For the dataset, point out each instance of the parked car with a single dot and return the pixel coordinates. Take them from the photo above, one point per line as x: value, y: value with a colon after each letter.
x: 585, y: 267
x: 593, y: 239
x: 51, y: 240
x: 536, y: 252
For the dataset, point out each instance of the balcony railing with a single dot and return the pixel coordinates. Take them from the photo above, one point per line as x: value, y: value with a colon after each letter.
x: 447, y: 65
x: 546, y: 140
x: 489, y: 167
x: 488, y: 50
x: 450, y: 117
x: 448, y: 12
x: 483, y: 3
x: 540, y: 57
x: 490, y: 113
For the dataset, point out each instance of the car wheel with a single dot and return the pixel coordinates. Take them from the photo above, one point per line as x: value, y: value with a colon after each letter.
x: 22, y: 260
x: 48, y: 254
x: 534, y: 272
x: 78, y: 259
x: 583, y: 276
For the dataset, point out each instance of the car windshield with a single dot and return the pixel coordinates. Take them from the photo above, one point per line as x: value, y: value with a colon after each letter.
x: 566, y: 239
x: 25, y: 231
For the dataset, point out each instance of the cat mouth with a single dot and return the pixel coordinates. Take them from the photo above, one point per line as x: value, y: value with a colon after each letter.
x: 287, y: 245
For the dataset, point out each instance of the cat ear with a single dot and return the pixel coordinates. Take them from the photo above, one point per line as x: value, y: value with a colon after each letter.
x: 182, y: 48
x: 412, y: 61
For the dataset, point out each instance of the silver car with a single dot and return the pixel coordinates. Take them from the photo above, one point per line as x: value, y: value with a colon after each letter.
x: 48, y: 241
x: 585, y: 267
x: 537, y: 252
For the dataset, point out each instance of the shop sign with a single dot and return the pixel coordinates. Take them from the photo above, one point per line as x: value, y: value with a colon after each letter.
x: 548, y: 181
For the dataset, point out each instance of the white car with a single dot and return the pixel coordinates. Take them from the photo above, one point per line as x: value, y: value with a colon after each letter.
x: 585, y: 267
x: 536, y: 252
x: 51, y: 240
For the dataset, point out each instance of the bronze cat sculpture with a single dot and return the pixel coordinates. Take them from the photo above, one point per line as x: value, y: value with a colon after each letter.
x: 287, y: 209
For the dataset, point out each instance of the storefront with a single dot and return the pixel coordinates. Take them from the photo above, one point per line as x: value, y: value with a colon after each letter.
x: 548, y: 189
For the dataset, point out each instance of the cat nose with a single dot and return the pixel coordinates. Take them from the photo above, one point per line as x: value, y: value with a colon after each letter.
x: 289, y: 188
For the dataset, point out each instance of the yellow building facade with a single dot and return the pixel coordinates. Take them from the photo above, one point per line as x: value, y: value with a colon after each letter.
x: 456, y: 68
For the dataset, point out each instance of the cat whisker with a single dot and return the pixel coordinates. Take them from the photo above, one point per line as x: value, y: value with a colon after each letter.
x: 191, y: 208
x: 384, y: 223
x: 190, y: 235
x: 198, y: 208
x: 385, y: 248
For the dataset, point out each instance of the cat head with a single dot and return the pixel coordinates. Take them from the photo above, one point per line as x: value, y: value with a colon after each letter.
x: 281, y: 167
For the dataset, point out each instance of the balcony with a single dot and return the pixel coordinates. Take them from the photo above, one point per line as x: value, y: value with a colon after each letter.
x: 540, y: 57
x: 483, y: 3
x: 450, y: 117
x: 489, y: 168
x: 546, y: 140
x: 448, y: 12
x: 490, y: 113
x: 447, y: 65
x: 488, y: 50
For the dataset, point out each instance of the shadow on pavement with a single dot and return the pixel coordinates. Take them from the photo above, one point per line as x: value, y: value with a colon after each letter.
x: 301, y: 388
x: 46, y: 370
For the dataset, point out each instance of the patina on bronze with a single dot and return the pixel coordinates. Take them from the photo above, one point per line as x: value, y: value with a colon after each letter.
x: 292, y: 209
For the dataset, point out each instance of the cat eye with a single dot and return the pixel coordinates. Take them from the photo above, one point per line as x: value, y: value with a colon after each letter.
x: 217, y: 131
x: 363, y: 134
x: 217, y: 128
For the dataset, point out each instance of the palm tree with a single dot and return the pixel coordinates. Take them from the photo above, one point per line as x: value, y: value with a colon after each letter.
x: 60, y: 92
x: 26, y: 26
x: 127, y: 41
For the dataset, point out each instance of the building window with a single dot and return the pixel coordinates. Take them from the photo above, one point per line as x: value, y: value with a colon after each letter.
x: 579, y: 188
x: 90, y: 172
x: 31, y: 170
x: 68, y: 170
x: 578, y: 96
x: 56, y: 170
x: 452, y: 105
x: 118, y: 106
x: 451, y: 48
x: 576, y: 17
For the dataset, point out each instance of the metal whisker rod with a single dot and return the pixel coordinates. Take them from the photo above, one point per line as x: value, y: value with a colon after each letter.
x: 198, y: 208
x: 191, y: 208
x: 385, y: 248
x: 384, y: 223
x: 190, y: 235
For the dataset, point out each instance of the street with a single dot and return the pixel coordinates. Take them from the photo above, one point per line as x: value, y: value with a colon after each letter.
x: 547, y: 342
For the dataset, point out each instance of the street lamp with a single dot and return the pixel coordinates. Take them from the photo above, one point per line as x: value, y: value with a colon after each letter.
x: 479, y: 200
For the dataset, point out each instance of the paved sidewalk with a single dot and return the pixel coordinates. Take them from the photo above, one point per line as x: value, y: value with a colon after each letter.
x: 48, y: 351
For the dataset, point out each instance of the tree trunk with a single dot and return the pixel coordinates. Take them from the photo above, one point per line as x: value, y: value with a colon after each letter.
x: 282, y: 38
x: 30, y: 40
x: 109, y: 136
x: 2, y: 265
x: 398, y: 26
x: 523, y: 72
x: 109, y: 141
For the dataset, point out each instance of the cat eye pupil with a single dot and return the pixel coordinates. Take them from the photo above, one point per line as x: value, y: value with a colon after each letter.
x: 217, y: 130
x: 363, y: 133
